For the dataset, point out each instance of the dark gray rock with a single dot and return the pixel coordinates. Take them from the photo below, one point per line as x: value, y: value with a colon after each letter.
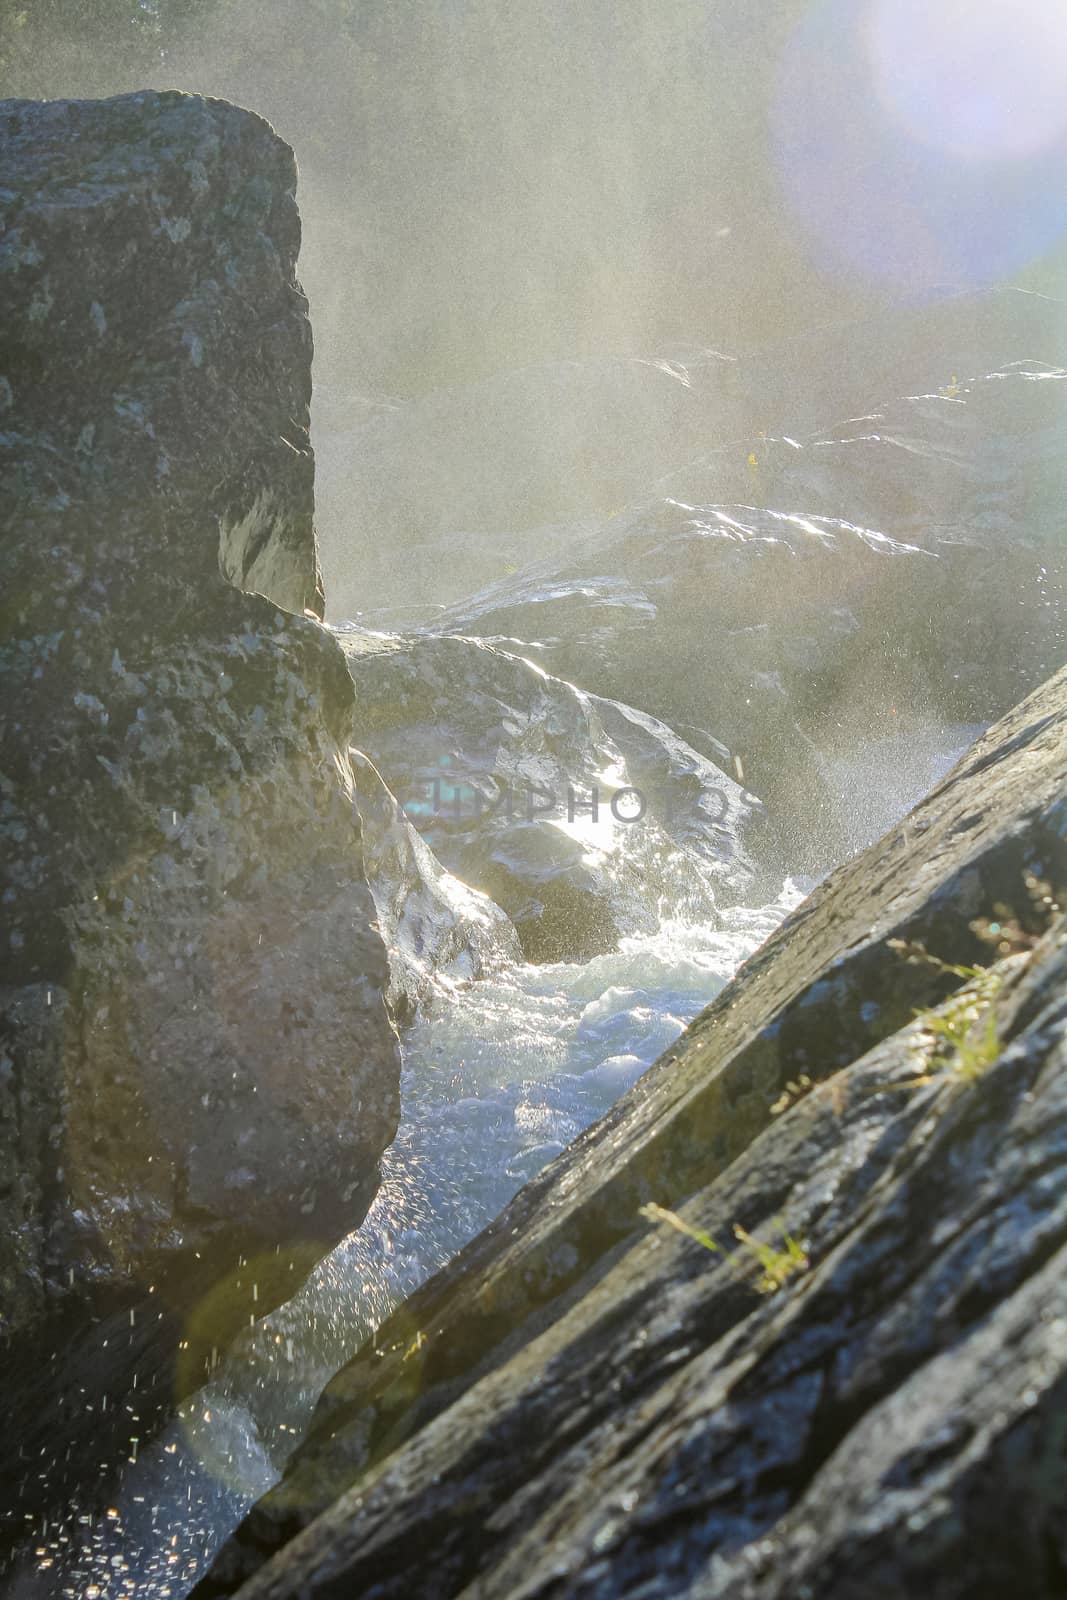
x: 198, y: 1072
x: 501, y: 765
x: 156, y: 354
x: 585, y: 1403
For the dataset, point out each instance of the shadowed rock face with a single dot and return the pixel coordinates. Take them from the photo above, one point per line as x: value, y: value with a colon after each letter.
x: 198, y: 1073
x: 584, y: 1403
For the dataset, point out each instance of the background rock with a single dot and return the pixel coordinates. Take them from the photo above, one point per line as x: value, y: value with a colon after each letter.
x: 497, y: 763
x: 500, y: 469
x: 825, y: 605
x: 476, y: 481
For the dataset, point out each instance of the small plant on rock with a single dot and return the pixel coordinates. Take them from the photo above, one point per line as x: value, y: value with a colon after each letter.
x: 774, y: 1266
x: 960, y: 1045
x: 964, y: 1047
x: 970, y: 1050
x: 795, y: 1090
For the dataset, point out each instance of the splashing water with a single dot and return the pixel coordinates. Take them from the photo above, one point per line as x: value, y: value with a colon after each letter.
x: 497, y: 1081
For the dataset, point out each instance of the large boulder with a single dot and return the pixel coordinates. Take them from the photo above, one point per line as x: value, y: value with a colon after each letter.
x: 862, y: 1390
x: 582, y: 818
x: 198, y: 1072
x: 156, y: 359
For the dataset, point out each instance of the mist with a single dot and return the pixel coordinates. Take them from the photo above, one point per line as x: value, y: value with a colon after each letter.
x: 585, y: 217
x: 487, y: 189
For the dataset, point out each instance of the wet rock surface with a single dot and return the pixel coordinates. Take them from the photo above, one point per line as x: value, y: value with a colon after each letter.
x: 198, y: 1072
x: 586, y: 1402
x: 820, y: 558
x: 580, y: 816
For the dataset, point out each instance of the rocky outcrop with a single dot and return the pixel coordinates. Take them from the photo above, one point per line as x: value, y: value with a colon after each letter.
x: 579, y: 816
x: 198, y: 1072
x: 862, y: 1390
x: 156, y: 356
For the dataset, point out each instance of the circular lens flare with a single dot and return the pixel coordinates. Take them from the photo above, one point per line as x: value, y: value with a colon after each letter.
x: 986, y: 82
x: 921, y: 143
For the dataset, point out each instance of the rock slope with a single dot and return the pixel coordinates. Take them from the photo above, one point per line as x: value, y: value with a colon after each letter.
x: 863, y: 1392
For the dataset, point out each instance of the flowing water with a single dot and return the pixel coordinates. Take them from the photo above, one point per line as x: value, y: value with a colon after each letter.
x: 498, y: 1079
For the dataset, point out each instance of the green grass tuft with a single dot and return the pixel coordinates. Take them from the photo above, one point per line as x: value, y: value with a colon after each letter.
x: 773, y: 1266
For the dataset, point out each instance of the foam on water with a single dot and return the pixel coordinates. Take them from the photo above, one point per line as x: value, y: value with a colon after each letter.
x: 497, y: 1081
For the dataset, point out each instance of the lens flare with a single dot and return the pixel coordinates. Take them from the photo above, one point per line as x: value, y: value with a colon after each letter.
x: 988, y: 82
x: 922, y: 144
